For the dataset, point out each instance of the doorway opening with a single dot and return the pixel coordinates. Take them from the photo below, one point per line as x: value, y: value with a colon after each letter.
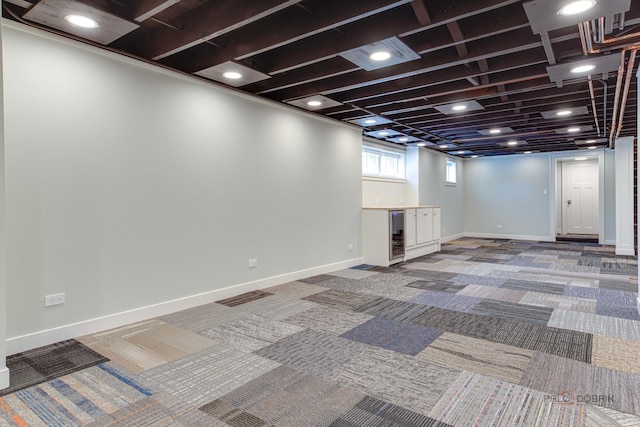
x: 577, y: 208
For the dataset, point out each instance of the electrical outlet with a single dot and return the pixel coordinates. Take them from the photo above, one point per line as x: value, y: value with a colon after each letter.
x: 55, y: 299
x: 350, y: 247
x: 499, y: 226
x: 253, y: 263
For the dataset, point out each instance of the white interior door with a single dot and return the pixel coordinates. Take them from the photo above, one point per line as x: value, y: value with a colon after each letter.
x: 580, y: 197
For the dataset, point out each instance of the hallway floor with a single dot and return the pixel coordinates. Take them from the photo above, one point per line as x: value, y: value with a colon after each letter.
x: 484, y: 333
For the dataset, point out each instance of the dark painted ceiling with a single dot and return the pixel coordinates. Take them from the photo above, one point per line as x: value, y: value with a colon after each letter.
x: 508, y: 61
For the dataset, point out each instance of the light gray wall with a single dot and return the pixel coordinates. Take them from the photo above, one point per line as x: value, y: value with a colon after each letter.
x: 507, y: 191
x: 129, y: 186
x: 4, y: 376
x: 433, y: 191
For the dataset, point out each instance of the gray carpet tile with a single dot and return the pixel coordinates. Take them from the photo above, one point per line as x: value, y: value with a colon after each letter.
x: 428, y: 274
x: 251, y: 333
x: 343, y: 284
x: 437, y: 285
x: 374, y: 412
x: 276, y: 307
x: 314, y: 280
x: 467, y: 324
x: 389, y: 280
x: 313, y: 352
x: 392, y: 309
x: 340, y: 299
x: 352, y: 273
x: 598, y: 416
x: 296, y: 289
x: 531, y: 286
x: 284, y: 397
x: 508, y: 310
x: 456, y: 302
x: 203, y: 317
x: 490, y: 292
x: 615, y: 310
x: 207, y: 375
x: 393, y: 335
x: 396, y: 378
x: 618, y: 286
x: 162, y: 409
x: 328, y: 320
x: 471, y: 279
x: 553, y: 374
x: 559, y: 301
x: 596, y: 324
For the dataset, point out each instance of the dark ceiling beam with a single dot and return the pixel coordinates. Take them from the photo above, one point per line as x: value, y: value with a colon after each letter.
x: 205, y: 23
x: 260, y: 37
x: 520, y: 41
x: 145, y: 9
x: 456, y: 35
x: 420, y: 9
x: 484, y: 67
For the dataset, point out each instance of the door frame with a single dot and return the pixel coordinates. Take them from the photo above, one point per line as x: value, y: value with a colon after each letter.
x: 555, y: 171
x: 564, y: 165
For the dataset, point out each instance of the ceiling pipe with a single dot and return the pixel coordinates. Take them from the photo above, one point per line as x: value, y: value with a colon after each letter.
x: 632, y: 60
x: 586, y: 42
x: 616, y: 99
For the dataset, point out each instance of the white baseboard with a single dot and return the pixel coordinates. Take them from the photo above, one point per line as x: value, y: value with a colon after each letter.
x: 452, y: 237
x: 510, y: 236
x: 4, y: 378
x: 625, y: 251
x: 49, y: 336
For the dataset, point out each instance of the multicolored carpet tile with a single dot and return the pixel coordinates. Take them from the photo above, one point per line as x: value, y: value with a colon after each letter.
x: 484, y: 333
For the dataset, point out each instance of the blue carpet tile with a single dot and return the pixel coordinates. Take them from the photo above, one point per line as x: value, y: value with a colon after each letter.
x: 446, y: 300
x: 392, y: 335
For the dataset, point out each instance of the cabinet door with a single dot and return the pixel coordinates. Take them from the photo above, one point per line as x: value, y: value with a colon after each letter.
x: 424, y: 225
x: 437, y: 224
x: 410, y: 228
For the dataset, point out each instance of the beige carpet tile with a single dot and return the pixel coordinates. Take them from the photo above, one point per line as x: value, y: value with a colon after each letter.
x: 352, y: 273
x: 555, y: 375
x: 481, y: 401
x: 296, y: 289
x: 500, y: 361
x: 328, y: 320
x: 251, y: 333
x: 340, y: 299
x: 489, y: 292
x: 397, y: 378
x: 616, y: 353
x: 203, y: 317
x: 596, y: 324
x: 276, y: 307
x: 146, y: 345
x: 559, y: 301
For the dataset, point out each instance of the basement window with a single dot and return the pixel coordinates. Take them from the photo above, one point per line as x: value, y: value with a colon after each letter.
x: 451, y: 172
x: 382, y: 163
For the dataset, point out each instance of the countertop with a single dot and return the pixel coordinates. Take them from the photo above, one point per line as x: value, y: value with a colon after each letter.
x: 393, y: 208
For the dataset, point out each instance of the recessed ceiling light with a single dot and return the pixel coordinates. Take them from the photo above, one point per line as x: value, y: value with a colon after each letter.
x: 459, y: 107
x: 421, y: 144
x: 370, y: 121
x: 590, y: 141
x: 591, y: 148
x: 580, y: 158
x: 576, y: 7
x: 233, y: 75
x: 314, y: 103
x: 81, y: 21
x: 512, y: 143
x: 527, y: 152
x: 573, y: 130
x: 564, y: 113
x: 444, y: 146
x: 403, y: 139
x: 383, y: 133
x: 474, y: 156
x: 495, y: 131
x: 381, y: 55
x: 461, y: 152
x: 583, y: 68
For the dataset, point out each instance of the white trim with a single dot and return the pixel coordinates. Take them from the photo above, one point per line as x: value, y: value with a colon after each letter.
x: 380, y: 179
x: 622, y: 251
x: 53, y: 335
x: 510, y: 236
x: 453, y: 237
x: 624, y: 196
x: 4, y: 378
x: 638, y: 304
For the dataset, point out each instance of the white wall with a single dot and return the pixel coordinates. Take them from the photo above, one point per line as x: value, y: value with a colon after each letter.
x: 378, y: 192
x: 129, y: 186
x: 4, y: 373
x: 433, y: 191
x: 507, y: 191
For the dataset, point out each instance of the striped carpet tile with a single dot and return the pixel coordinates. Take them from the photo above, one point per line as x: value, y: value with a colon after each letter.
x: 512, y: 311
x: 455, y: 302
x: 596, y: 324
x: 275, y: 307
x: 477, y: 400
x: 44, y: 363
x: 598, y: 416
x: 437, y: 285
x: 243, y: 298
x: 72, y: 400
x: 489, y: 292
x: 340, y: 299
x: 328, y: 320
x: 296, y: 289
x: 392, y: 309
x: 532, y: 286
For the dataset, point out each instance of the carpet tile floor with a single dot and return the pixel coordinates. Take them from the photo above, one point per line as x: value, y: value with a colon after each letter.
x: 483, y: 333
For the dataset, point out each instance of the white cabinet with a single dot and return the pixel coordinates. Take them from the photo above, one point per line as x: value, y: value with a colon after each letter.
x: 421, y: 233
